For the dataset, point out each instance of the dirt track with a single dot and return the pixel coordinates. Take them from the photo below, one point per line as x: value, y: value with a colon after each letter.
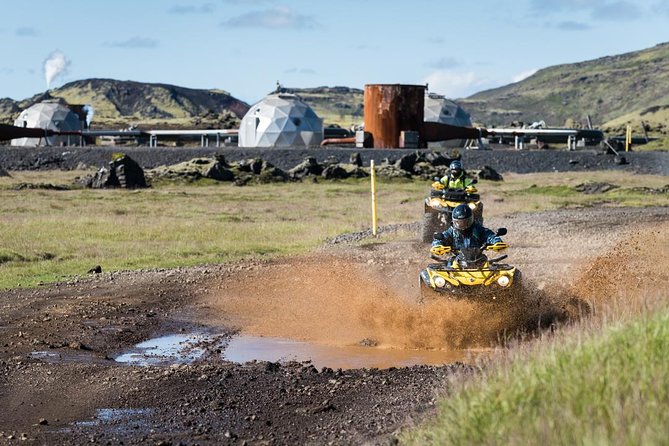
x: 59, y: 383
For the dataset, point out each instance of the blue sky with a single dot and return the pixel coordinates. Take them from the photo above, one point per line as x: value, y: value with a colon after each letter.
x: 246, y: 46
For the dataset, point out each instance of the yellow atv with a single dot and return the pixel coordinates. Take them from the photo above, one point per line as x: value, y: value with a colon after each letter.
x: 440, y: 204
x: 469, y: 272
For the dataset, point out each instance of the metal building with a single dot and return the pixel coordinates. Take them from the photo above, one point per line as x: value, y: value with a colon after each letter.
x: 51, y: 115
x: 445, y: 111
x: 280, y: 120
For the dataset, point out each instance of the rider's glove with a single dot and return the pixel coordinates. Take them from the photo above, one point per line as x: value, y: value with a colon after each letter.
x: 499, y: 246
x: 440, y: 250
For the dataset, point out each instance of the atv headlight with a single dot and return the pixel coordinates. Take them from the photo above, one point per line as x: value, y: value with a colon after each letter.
x: 439, y: 282
x: 503, y: 281
x: 472, y: 206
x: 436, y: 204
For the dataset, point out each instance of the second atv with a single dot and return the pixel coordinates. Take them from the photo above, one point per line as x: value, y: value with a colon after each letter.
x: 439, y: 206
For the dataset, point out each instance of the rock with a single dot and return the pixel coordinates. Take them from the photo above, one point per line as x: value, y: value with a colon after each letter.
x: 4, y: 173
x: 219, y: 172
x: 97, y: 269
x: 407, y: 162
x: 122, y: 172
x: 307, y: 167
x: 488, y: 173
x: 129, y: 174
x: 355, y: 159
x: 334, y: 172
x: 252, y: 165
x: 437, y: 159
x: 594, y: 188
x: 355, y: 171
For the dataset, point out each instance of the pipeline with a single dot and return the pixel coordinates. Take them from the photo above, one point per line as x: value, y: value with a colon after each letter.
x: 8, y: 132
x: 437, y: 131
x: 346, y: 140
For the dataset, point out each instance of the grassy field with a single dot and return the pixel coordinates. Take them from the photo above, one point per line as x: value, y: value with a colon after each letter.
x: 50, y: 235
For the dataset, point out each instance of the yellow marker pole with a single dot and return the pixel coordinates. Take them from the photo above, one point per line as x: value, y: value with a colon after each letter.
x: 628, y: 138
x: 373, y: 179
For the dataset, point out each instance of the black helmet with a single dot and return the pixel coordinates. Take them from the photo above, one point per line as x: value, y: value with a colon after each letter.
x: 463, y: 217
x: 456, y: 168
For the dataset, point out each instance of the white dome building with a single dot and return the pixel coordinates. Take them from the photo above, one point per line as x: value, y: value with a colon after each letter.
x: 280, y: 120
x: 51, y: 115
x: 445, y: 111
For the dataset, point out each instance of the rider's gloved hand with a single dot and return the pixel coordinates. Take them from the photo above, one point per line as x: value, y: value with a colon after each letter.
x: 498, y: 246
x: 440, y: 250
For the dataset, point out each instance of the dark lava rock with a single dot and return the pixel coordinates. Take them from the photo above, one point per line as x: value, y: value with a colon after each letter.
x: 488, y: 173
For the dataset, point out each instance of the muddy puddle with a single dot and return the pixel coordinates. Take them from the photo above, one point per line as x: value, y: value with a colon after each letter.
x: 186, y: 348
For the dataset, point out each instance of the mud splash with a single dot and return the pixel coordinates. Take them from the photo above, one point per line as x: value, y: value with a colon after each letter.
x: 339, y: 302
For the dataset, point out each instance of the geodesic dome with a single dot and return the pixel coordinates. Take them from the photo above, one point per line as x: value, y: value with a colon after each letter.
x: 280, y: 120
x: 52, y: 116
x: 445, y: 111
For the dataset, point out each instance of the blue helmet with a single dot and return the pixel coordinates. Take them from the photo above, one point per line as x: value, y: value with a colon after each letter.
x: 462, y: 217
x: 456, y: 168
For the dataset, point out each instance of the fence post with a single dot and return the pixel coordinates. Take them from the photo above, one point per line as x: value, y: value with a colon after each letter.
x: 373, y: 180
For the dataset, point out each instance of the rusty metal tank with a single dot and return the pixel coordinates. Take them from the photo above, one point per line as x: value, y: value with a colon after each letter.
x: 391, y: 109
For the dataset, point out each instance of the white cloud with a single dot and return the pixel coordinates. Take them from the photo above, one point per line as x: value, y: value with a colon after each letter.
x: 276, y: 18
x: 454, y: 84
x: 524, y: 75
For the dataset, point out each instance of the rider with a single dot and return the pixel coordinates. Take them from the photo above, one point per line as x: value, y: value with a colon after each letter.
x: 465, y: 233
x: 457, y: 177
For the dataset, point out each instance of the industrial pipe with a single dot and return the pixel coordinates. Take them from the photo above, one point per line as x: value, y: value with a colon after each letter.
x: 347, y: 140
x: 436, y: 131
x: 8, y: 132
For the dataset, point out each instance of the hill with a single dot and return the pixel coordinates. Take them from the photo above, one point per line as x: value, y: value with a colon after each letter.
x: 613, y: 90
x: 124, y: 103
x: 335, y: 105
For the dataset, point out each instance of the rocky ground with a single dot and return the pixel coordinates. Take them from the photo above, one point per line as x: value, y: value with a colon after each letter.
x: 501, y: 158
x: 62, y: 381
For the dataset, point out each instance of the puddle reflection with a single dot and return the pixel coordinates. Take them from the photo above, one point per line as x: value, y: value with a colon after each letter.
x: 186, y: 348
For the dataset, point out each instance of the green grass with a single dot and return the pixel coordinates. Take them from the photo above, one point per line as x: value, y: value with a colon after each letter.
x: 52, y: 235
x: 594, y: 387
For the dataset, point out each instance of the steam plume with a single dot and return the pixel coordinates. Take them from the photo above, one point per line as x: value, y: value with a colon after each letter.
x: 55, y: 65
x: 88, y: 108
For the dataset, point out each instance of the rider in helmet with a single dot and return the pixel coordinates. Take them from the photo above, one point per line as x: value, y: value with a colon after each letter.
x: 465, y: 233
x: 457, y: 177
